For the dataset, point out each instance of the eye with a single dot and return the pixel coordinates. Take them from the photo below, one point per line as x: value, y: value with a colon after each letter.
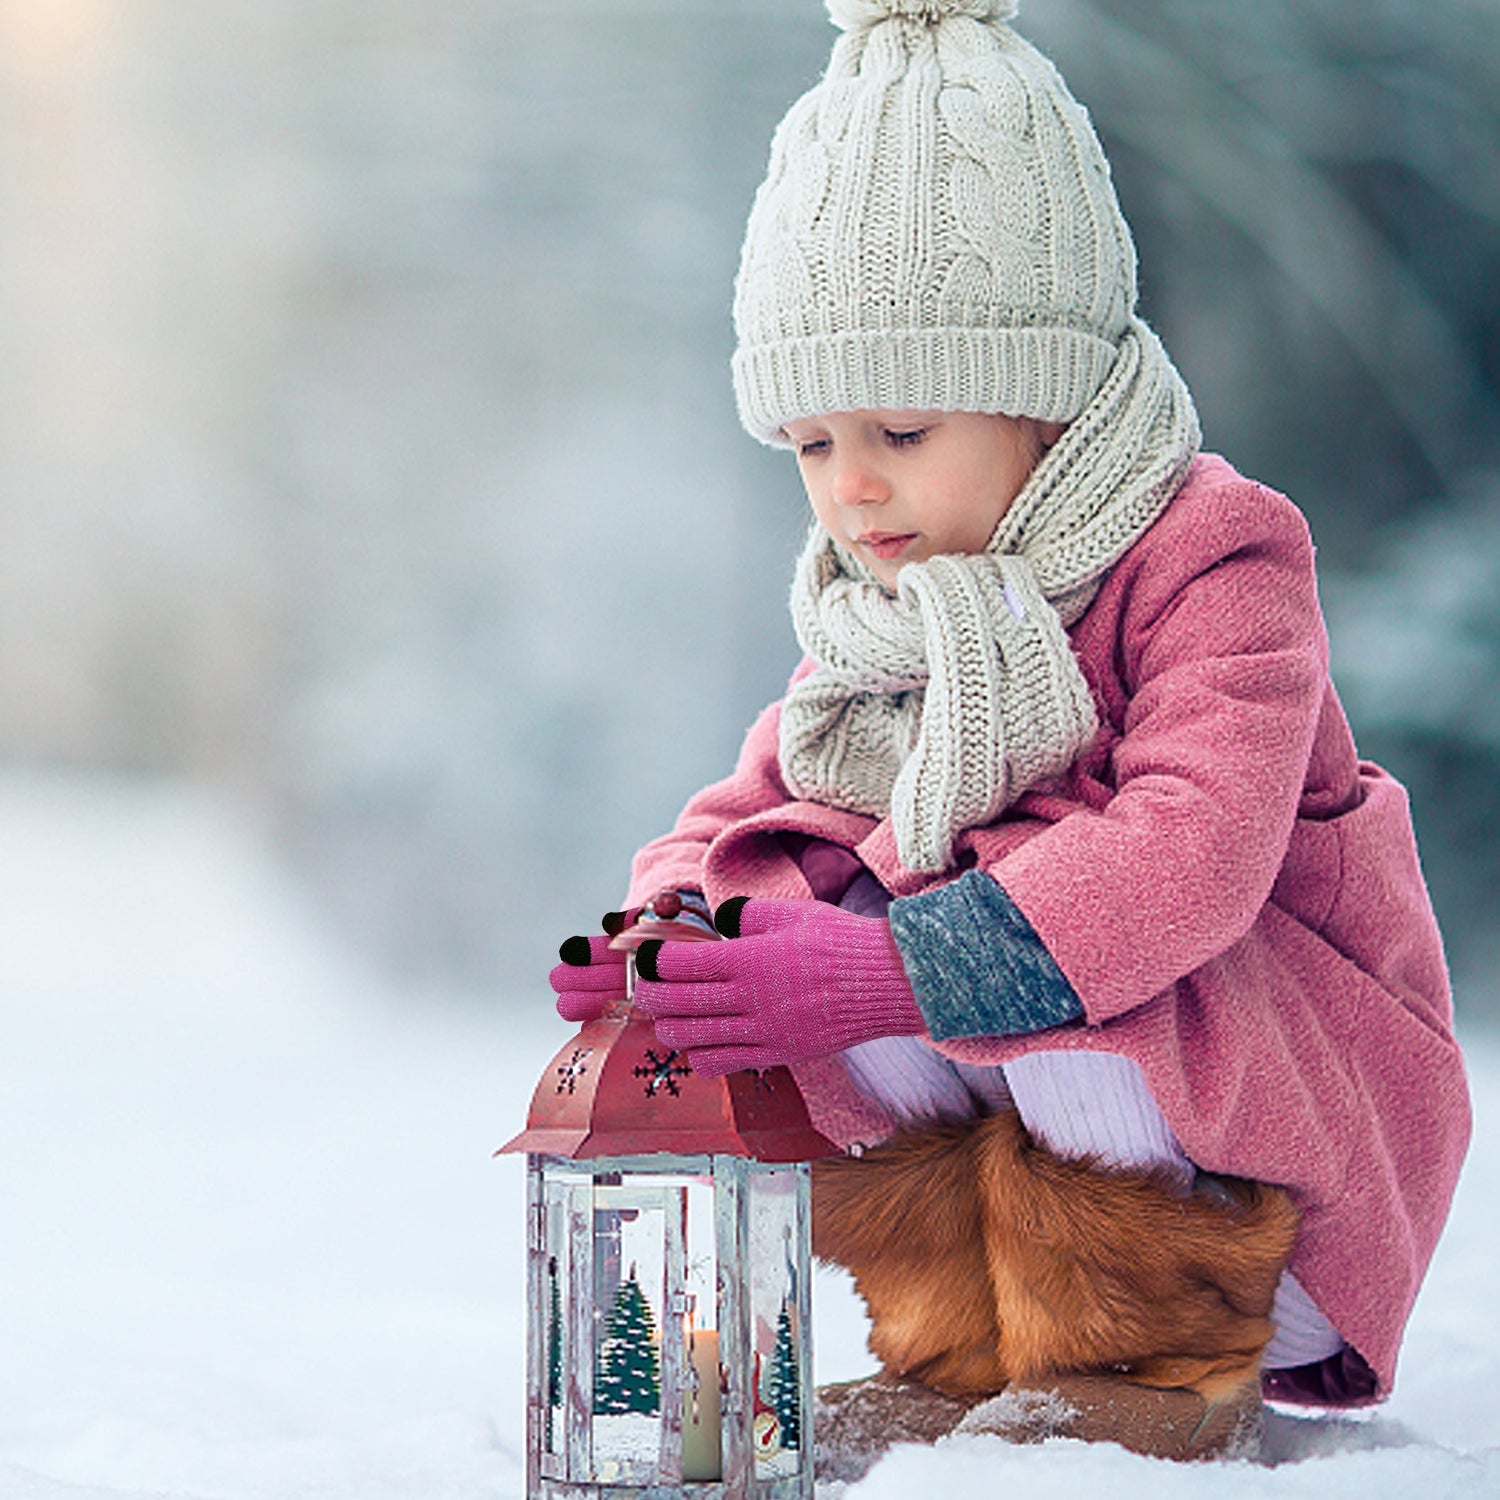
x: 905, y: 437
x: 811, y: 447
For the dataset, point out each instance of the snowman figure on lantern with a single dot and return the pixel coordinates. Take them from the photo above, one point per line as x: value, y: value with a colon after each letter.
x: 668, y: 1268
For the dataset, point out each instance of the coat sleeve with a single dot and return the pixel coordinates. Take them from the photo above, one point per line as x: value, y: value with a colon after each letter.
x: 675, y: 860
x: 1223, y: 655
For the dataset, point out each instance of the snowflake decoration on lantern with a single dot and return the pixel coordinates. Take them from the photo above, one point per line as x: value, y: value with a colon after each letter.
x: 574, y: 1069
x: 662, y: 1073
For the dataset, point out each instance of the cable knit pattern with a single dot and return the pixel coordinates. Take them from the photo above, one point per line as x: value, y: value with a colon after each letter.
x: 942, y: 705
x: 937, y: 229
x: 1109, y: 476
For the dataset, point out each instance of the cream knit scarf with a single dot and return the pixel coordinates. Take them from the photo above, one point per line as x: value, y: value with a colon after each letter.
x: 940, y: 706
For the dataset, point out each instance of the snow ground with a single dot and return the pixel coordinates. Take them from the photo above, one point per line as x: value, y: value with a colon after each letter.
x: 253, y: 1245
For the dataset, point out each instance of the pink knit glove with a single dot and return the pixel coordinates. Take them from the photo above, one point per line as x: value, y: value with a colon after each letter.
x: 592, y: 974
x: 801, y: 979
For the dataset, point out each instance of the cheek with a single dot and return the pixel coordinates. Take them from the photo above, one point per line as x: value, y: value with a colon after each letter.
x: 979, y: 527
x: 987, y: 498
x: 982, y: 516
x: 818, y: 498
x: 1006, y: 484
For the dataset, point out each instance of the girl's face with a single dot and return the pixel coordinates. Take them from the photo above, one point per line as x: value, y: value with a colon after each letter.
x: 895, y: 487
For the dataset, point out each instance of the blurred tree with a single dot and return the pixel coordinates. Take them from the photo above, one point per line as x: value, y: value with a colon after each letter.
x: 370, y: 442
x: 526, y: 639
x: 1315, y: 190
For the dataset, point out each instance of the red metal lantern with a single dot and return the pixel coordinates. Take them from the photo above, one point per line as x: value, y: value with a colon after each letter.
x: 669, y: 1271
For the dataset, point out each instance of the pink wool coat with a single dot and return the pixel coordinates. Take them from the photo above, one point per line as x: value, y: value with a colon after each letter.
x: 1234, y: 896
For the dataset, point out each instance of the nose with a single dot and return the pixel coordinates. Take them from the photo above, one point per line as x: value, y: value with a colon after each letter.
x: 858, y: 482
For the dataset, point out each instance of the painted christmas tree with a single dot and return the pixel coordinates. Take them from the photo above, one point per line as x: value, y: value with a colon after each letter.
x: 629, y: 1376
x: 781, y: 1383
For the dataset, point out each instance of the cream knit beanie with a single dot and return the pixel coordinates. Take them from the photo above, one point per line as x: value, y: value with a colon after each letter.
x: 938, y: 230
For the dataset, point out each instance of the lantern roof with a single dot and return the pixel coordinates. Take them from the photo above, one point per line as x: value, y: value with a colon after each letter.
x: 615, y: 1090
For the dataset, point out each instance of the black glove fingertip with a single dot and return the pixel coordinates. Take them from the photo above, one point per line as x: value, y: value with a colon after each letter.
x: 575, y: 951
x: 614, y: 923
x: 727, y: 916
x: 645, y: 958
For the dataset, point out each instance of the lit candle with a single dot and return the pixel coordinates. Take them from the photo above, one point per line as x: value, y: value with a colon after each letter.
x: 700, y: 1418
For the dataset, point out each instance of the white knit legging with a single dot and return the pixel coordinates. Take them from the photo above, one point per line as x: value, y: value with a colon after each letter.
x: 1076, y: 1104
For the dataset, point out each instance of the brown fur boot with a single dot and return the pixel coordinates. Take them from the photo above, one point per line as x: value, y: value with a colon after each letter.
x: 1111, y: 1270
x: 906, y: 1220
x: 986, y: 1260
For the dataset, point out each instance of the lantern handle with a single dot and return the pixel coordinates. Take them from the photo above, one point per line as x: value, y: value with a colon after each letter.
x: 667, y: 929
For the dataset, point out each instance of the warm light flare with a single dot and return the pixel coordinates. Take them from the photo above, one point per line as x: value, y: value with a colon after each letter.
x: 43, y: 34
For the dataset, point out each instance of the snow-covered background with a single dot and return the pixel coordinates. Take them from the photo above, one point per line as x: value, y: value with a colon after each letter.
x: 253, y: 1245
x: 381, y: 562
x: 369, y: 446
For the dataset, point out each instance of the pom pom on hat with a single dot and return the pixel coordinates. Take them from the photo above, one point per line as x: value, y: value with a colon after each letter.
x: 860, y: 15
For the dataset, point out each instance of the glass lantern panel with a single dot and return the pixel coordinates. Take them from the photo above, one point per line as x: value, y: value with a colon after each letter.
x: 702, y: 1374
x: 776, y: 1267
x: 655, y: 1333
x: 566, y: 1257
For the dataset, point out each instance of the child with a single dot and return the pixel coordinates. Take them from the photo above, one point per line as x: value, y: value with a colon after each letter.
x: 1064, y: 879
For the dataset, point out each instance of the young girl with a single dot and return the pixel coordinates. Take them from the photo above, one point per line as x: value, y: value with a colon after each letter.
x: 1064, y: 880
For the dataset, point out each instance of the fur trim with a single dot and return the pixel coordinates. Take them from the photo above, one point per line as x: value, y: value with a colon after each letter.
x: 905, y: 1219
x: 984, y: 1258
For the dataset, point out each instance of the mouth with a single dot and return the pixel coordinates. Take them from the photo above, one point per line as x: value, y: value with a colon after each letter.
x: 885, y: 544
